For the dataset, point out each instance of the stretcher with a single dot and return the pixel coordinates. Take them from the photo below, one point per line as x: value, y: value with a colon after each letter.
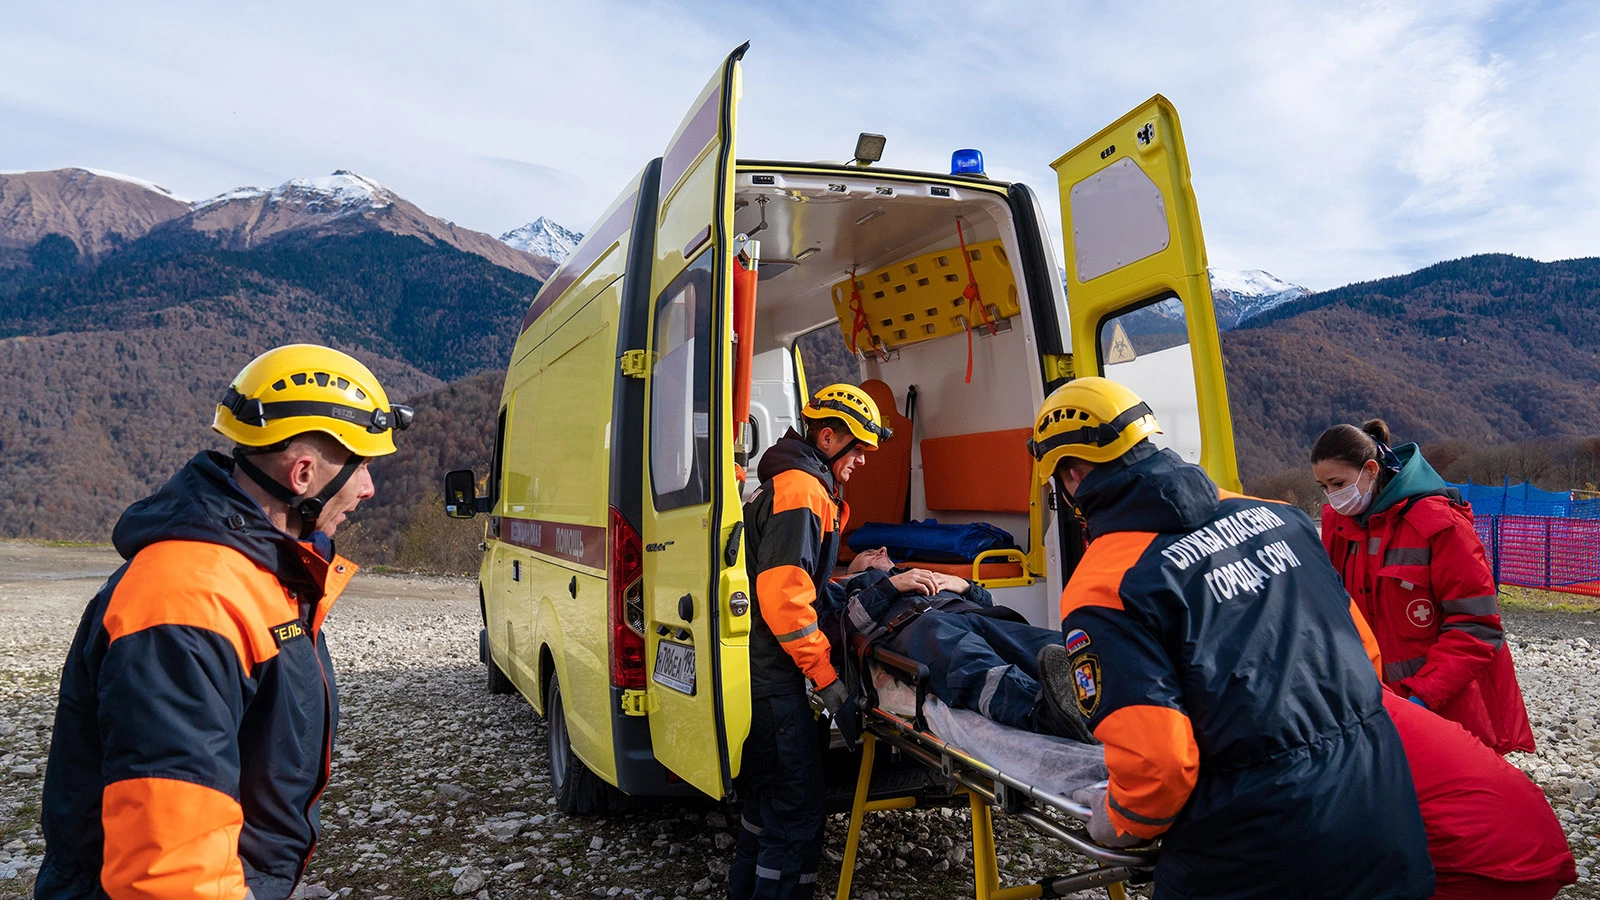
x: 908, y: 734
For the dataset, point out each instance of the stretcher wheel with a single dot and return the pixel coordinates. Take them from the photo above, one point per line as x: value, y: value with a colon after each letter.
x: 579, y: 792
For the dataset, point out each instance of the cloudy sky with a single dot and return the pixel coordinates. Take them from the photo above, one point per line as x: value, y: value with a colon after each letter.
x: 1330, y: 142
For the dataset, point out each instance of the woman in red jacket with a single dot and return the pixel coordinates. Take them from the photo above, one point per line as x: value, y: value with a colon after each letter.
x: 1414, y: 566
x: 1491, y: 832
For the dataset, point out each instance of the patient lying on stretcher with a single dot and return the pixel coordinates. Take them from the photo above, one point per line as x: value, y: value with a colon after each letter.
x: 980, y: 656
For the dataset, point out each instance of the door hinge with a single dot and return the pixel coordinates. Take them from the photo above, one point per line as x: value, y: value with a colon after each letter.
x: 1058, y: 366
x: 637, y: 703
x: 634, y: 363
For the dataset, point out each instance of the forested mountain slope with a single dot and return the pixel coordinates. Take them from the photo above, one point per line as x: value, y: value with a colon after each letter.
x: 109, y: 374
x: 1483, y: 350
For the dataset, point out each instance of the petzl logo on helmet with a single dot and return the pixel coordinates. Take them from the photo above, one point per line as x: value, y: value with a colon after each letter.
x: 1077, y: 639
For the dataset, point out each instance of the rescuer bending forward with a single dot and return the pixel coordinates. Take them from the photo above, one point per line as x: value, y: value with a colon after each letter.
x: 1215, y: 656
x: 195, y: 726
x: 793, y: 522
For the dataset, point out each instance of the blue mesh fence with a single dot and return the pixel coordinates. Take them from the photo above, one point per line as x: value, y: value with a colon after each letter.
x: 1553, y: 553
x: 1525, y: 500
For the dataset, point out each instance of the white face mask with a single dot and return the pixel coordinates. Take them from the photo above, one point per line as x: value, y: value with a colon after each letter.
x: 1350, y: 500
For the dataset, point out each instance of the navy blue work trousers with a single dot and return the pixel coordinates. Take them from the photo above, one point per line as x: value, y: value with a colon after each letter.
x: 978, y: 662
x: 780, y: 833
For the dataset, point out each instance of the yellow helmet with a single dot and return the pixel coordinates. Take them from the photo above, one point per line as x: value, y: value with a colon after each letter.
x: 297, y: 388
x: 852, y: 405
x: 1093, y: 419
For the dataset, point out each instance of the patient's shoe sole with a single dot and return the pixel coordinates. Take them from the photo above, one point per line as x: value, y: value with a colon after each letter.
x: 1055, y: 682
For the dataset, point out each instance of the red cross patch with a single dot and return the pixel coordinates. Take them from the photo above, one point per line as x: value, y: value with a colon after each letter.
x: 1420, y: 613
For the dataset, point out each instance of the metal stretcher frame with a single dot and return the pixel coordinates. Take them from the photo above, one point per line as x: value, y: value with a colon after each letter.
x: 985, y: 787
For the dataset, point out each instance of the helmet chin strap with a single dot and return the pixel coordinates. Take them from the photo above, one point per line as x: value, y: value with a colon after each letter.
x: 307, y: 508
x: 834, y: 459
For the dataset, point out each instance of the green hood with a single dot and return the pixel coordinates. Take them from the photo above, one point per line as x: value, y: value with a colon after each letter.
x: 1415, y: 479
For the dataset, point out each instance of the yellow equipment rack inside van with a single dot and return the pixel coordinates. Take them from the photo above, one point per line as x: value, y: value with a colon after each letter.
x: 613, y: 584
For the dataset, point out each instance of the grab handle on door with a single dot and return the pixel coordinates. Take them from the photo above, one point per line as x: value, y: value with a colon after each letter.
x: 686, y: 607
x: 572, y: 587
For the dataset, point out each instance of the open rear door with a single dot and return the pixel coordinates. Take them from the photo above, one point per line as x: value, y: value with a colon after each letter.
x: 1138, y: 296
x: 696, y: 590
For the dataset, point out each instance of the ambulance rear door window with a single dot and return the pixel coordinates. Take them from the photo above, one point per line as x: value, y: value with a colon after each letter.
x: 680, y: 387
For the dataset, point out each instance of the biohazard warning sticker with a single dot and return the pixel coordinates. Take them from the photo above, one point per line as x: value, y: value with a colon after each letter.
x: 1086, y: 683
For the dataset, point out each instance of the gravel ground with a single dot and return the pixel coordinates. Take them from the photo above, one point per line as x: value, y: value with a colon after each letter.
x: 440, y: 789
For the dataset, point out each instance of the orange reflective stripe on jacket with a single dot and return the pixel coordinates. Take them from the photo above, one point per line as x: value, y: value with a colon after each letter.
x: 786, y: 595
x: 794, y: 490
x: 167, y: 839
x: 222, y: 594
x: 1153, y: 763
x: 797, y: 546
x: 1099, y: 575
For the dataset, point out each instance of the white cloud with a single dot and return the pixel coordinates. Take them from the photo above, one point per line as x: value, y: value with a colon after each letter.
x: 1329, y: 142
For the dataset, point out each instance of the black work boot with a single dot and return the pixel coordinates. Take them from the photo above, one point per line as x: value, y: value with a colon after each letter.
x: 1056, y: 709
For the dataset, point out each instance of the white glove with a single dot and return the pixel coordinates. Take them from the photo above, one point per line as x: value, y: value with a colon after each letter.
x: 1101, y: 829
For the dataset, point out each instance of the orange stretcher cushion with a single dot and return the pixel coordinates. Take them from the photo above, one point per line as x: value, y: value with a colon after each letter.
x: 986, y: 572
x: 990, y: 471
x: 878, y: 487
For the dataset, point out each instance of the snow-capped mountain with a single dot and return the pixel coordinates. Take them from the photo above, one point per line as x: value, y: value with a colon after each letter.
x: 1239, y: 295
x: 98, y: 211
x: 545, y: 238
x: 341, y: 193
x: 341, y: 203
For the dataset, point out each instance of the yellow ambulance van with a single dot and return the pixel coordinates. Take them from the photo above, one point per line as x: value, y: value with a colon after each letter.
x: 671, y: 348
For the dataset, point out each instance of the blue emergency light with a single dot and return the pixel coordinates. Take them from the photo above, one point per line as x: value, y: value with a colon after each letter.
x: 966, y: 162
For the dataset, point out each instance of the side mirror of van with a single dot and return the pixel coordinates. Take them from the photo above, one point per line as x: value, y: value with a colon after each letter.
x: 460, y: 494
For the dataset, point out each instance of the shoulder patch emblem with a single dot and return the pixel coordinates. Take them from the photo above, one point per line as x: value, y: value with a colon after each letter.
x: 1086, y: 683
x: 1077, y: 639
x: 288, y: 631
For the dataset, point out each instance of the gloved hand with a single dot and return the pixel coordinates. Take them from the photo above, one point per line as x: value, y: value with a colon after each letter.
x: 843, y: 710
x: 1418, y: 701
x: 1101, y: 829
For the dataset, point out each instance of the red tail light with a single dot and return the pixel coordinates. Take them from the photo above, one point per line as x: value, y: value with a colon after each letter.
x: 625, y: 575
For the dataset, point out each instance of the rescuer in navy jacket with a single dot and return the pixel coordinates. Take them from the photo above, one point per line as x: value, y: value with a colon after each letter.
x: 1211, y: 647
x: 196, y: 720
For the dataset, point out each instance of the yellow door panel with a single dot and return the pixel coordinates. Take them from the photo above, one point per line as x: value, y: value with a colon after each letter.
x: 569, y: 512
x: 572, y: 617
x: 697, y: 175
x: 697, y: 669
x: 509, y: 599
x: 1138, y: 296
x: 575, y: 419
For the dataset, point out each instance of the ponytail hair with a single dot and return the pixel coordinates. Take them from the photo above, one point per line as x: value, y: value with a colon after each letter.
x: 1356, y: 446
x: 1378, y: 430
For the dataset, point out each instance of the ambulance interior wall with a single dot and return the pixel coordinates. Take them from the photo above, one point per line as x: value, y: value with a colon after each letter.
x: 1004, y: 394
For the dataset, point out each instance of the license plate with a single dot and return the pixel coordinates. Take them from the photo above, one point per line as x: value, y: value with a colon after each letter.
x: 675, y: 666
